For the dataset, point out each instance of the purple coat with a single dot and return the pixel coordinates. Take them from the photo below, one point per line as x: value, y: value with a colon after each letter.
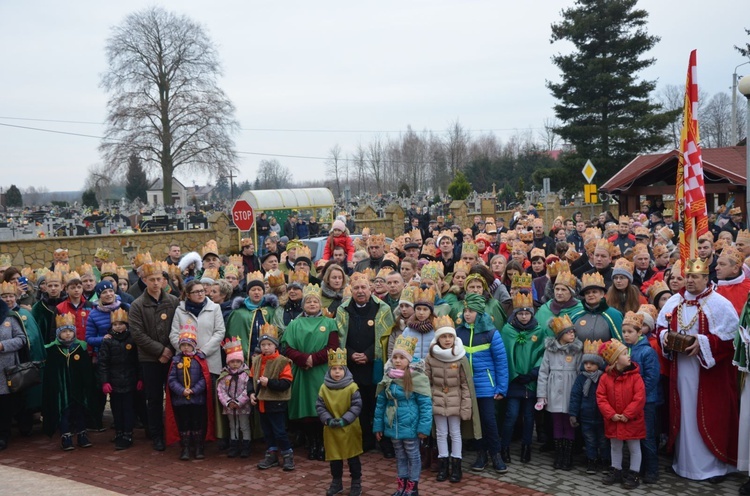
x: 177, y: 383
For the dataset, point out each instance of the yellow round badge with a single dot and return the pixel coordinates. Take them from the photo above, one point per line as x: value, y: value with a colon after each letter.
x: 370, y: 322
x: 458, y: 320
x: 23, y: 317
x: 535, y: 338
x: 189, y: 321
x: 568, y: 358
x: 179, y: 365
x: 76, y: 357
x: 322, y: 328
x: 164, y: 316
x: 583, y: 322
x: 128, y: 346
x: 6, y: 324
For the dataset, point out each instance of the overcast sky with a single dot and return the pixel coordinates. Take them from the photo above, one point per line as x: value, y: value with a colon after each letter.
x: 326, y: 65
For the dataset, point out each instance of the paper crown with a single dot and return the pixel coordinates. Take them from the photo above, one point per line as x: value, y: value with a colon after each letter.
x: 555, y: 268
x: 210, y: 248
x: 523, y: 299
x: 246, y: 241
x: 484, y: 237
x: 275, y: 278
x: 269, y: 330
x: 611, y: 350
x: 650, y: 309
x: 369, y: 273
x: 337, y: 358
x: 445, y: 234
x: 567, y: 279
x: 719, y: 245
x: 625, y: 265
x: 151, y: 269
x: 72, y: 276
x: 405, y: 345
x: 65, y: 320
x: 572, y: 255
x: 142, y: 258
x: 468, y: 248
x: 235, y: 260
x: 304, y: 252
x: 231, y: 270
x: 102, y: 254
x: 407, y: 295
x: 526, y: 236
x: 743, y: 236
x: 119, y: 315
x: 519, y: 246
x: 432, y: 271
x: 642, y: 232
x: 298, y: 276
x: 591, y: 347
x: 383, y: 272
x: 358, y: 277
x: 696, y: 266
x: 254, y: 276
x: 668, y: 212
x: 398, y: 244
x: 294, y: 244
x: 560, y: 324
x: 666, y: 233
x: 54, y: 276
x: 391, y: 257
x: 424, y: 296
x: 414, y: 234
x: 60, y: 254
x: 624, y: 219
x: 377, y: 240
x: 537, y: 222
x: 210, y: 273
x: 592, y: 233
x: 640, y: 248
x: 604, y: 245
x: 429, y: 250
x: 8, y: 288
x: 733, y: 254
x: 5, y: 260
x: 233, y: 345
x: 29, y: 274
x: 462, y: 266
x: 656, y: 289
x: 521, y: 281
x: 537, y: 253
x: 591, y: 281
x: 444, y: 321
x: 735, y: 211
x: 490, y: 228
x: 633, y: 319
x: 312, y: 290
x: 122, y: 273
x: 109, y: 268
x: 188, y: 335
x: 708, y: 235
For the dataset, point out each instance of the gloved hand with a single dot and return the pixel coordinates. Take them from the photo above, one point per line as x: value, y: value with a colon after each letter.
x: 524, y: 378
x: 540, y: 403
x: 337, y: 422
x: 106, y: 388
x: 139, y: 386
x: 573, y: 422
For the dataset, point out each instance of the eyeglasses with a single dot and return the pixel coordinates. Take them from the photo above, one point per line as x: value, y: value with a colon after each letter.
x: 198, y: 291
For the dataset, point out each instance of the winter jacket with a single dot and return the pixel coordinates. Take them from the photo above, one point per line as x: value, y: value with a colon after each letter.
x: 176, y: 382
x: 118, y: 362
x: 232, y: 386
x: 422, y: 347
x: 210, y: 331
x: 303, y: 231
x: 341, y: 240
x: 262, y: 226
x: 98, y: 324
x: 648, y: 363
x: 150, y: 323
x: 584, y: 407
x: 451, y: 395
x: 558, y: 372
x: 413, y: 414
x: 602, y: 322
x: 13, y: 339
x: 81, y: 312
x: 486, y: 353
x: 623, y: 393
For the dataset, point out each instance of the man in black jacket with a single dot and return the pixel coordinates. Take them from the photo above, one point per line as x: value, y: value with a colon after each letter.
x: 290, y: 227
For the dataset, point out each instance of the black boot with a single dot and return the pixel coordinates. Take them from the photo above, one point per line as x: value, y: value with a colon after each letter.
x: 591, y: 466
x: 356, y: 488
x: 613, y: 477
x: 288, y: 456
x: 745, y: 488
x: 312, y: 447
x: 567, y: 458
x: 505, y: 454
x: 481, y: 462
x: 631, y: 480
x: 270, y: 460
x: 245, y: 449
x: 199, y: 438
x: 558, y: 454
x: 456, y: 468
x: 234, y: 448
x: 442, y: 474
x: 525, y: 453
x: 336, y: 487
x: 320, y: 454
x: 184, y: 446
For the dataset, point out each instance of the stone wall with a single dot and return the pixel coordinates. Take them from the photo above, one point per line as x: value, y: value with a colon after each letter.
x: 392, y: 224
x: 38, y: 252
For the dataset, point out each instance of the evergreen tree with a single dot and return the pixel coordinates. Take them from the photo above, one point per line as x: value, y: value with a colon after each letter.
x: 745, y: 51
x: 88, y: 199
x: 13, y: 197
x: 460, y: 188
x: 136, y: 181
x: 605, y: 110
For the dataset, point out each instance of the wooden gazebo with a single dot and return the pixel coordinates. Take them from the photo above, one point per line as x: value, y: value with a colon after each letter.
x: 654, y: 175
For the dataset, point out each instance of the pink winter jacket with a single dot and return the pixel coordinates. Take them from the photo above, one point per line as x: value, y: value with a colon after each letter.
x: 232, y: 386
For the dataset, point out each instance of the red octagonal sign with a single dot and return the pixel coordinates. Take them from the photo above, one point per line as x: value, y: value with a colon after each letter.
x: 242, y: 215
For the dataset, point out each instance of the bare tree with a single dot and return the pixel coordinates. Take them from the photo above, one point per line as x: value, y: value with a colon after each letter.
x: 414, y: 158
x: 716, y: 121
x: 375, y: 160
x: 273, y: 175
x: 360, y: 164
x: 334, y: 167
x: 457, y: 147
x: 485, y: 146
x: 98, y: 180
x: 549, y: 138
x: 165, y: 105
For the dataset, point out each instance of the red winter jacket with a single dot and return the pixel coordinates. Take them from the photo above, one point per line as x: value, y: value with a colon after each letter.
x: 622, y: 393
x: 81, y: 313
x: 341, y: 240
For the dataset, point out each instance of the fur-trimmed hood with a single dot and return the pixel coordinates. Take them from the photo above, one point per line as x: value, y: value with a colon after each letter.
x: 190, y: 258
x: 268, y: 300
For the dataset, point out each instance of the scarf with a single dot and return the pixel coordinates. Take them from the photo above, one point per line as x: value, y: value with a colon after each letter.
x: 396, y: 374
x: 109, y: 308
x: 420, y: 385
x: 557, y: 307
x: 341, y: 384
x: 250, y: 305
x: 195, y: 308
x: 448, y: 355
x: 591, y: 378
x: 522, y: 327
x: 421, y: 326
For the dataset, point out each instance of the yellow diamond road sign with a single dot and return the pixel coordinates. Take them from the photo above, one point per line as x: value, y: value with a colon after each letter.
x: 589, y: 171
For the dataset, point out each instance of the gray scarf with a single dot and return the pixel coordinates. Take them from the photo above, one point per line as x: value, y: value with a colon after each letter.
x: 345, y: 381
x: 591, y: 378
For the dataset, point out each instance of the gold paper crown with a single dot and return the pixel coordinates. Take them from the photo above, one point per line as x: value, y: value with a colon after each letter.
x: 719, y: 245
x: 398, y: 244
x: 383, y: 272
x: 294, y: 244
x: 210, y: 248
x: 444, y: 321
x: 537, y: 222
x: 5, y: 260
x: 624, y: 219
x: 60, y: 254
x: 615, y: 253
x: 625, y: 265
x: 299, y: 276
x: 269, y: 330
x: 109, y: 268
x: 119, y: 315
x: 8, y: 288
x: 188, y: 332
x: 657, y: 288
x: 666, y: 233
x: 743, y: 235
x: 734, y: 211
x: 210, y: 273
x: 254, y: 276
x: 54, y: 276
x: 71, y: 276
x: 591, y: 347
x: 369, y: 273
x: 235, y: 260
x: 413, y: 235
x: 537, y: 253
x: 246, y: 241
x: 642, y: 232
x: 337, y: 358
x: 708, y: 235
x: 102, y: 254
x: 122, y: 273
x: 304, y: 252
x: 85, y: 269
x: 486, y: 238
x: 521, y: 281
x: 611, y: 350
x: 405, y: 344
x: 696, y: 266
x: 391, y: 257
x: 151, y: 269
x: 29, y: 274
x: 426, y: 295
x: 490, y: 228
x: 233, y: 345
x: 462, y: 266
x: 445, y: 234
x: 560, y: 324
x: 633, y: 319
x: 523, y: 300
x: 468, y: 248
x: 604, y: 245
x: 733, y: 254
x: 142, y: 258
x: 668, y: 212
x: 65, y: 320
x: 275, y: 278
x: 358, y: 277
x: 518, y: 246
x: 376, y: 240
x: 231, y: 270
x: 659, y: 250
x: 592, y: 233
x: 572, y: 255
x: 526, y: 236
x: 312, y: 290
x: 640, y: 247
x: 429, y: 250
x: 567, y: 279
x: 593, y: 280
x: 649, y: 309
x: 407, y: 294
x: 559, y: 266
x: 432, y: 271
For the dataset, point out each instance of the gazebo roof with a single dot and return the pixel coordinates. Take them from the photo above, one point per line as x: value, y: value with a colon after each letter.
x: 719, y: 165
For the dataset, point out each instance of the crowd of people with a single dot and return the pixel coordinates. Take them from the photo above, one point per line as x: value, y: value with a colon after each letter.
x: 591, y: 333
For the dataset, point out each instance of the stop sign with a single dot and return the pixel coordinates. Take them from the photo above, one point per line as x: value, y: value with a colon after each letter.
x: 242, y: 215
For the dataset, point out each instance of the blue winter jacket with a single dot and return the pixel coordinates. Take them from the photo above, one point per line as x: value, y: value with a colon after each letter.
x: 413, y: 414
x: 648, y: 363
x: 99, y: 324
x: 486, y: 353
x: 584, y: 408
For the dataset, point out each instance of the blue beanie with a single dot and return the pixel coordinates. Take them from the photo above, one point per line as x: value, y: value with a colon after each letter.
x: 102, y: 286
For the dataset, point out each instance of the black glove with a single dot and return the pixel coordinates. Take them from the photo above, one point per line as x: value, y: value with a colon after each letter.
x: 524, y: 378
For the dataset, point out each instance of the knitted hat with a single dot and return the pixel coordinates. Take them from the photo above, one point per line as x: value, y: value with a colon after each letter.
x: 338, y: 224
x: 591, y: 352
x: 405, y: 347
x: 63, y: 322
x: 233, y: 349
x: 268, y: 332
x: 444, y: 325
x: 475, y: 302
x: 623, y: 268
x: 611, y: 350
x: 99, y: 289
